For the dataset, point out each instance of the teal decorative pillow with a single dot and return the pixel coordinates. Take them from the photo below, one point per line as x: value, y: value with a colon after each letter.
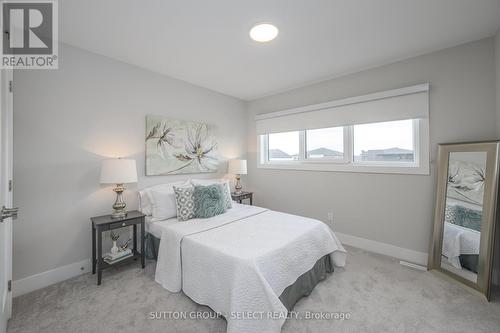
x: 463, y: 216
x: 209, y: 201
x: 226, y: 188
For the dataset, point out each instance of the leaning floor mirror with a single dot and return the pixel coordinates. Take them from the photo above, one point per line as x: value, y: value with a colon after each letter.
x: 465, y: 216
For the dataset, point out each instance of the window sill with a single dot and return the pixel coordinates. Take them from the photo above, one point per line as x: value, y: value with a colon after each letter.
x: 339, y: 167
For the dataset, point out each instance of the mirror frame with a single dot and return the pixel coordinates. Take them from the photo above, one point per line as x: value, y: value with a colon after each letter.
x: 489, y: 215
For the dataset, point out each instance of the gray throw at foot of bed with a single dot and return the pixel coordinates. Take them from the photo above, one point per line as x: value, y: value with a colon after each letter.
x: 292, y: 294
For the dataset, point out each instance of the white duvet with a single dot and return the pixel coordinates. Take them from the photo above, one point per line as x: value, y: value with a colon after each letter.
x: 459, y: 240
x: 238, y: 263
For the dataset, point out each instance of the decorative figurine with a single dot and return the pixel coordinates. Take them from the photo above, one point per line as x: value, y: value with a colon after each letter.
x: 114, y: 238
x: 124, y: 246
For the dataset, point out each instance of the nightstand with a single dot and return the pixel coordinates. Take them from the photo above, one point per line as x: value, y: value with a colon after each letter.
x: 106, y: 223
x: 242, y: 196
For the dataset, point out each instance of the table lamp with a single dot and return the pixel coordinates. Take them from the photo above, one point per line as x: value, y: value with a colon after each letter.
x: 238, y: 167
x: 118, y: 171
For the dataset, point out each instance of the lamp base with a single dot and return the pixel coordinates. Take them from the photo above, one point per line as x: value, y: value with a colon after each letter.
x: 119, y: 210
x: 119, y: 214
x: 238, y: 187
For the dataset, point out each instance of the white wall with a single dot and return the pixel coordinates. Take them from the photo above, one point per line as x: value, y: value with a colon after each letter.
x: 66, y: 121
x: 392, y: 209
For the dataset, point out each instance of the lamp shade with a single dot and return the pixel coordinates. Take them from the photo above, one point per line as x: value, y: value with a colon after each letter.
x: 118, y: 171
x: 238, y: 167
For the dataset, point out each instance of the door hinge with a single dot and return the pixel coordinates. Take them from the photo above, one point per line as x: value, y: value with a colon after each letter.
x: 10, y: 185
x: 9, y: 285
x: 11, y: 86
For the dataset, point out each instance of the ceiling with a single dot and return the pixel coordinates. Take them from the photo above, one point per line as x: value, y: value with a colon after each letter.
x: 206, y: 43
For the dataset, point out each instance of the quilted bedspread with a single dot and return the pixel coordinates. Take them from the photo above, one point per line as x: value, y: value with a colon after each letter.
x: 239, y: 263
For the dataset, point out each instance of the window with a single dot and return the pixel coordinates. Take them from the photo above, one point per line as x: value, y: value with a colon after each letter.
x: 384, y: 147
x: 382, y: 132
x: 388, y: 142
x: 325, y: 143
x: 283, y: 146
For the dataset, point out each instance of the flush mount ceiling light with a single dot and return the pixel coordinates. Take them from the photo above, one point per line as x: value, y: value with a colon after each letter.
x: 263, y: 32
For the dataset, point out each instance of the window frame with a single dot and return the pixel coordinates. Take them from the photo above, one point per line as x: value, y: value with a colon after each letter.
x: 420, y: 166
x: 344, y: 160
x: 284, y: 161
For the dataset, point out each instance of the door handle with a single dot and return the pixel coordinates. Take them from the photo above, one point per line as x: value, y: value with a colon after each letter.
x: 8, y: 212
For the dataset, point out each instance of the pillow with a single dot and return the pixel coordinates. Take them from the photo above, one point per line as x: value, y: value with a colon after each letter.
x: 163, y: 205
x: 226, y: 188
x: 184, y: 202
x: 145, y: 199
x: 209, y: 201
x: 463, y: 216
x: 144, y: 203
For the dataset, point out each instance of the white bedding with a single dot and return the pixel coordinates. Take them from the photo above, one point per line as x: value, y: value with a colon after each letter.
x: 241, y: 261
x: 156, y: 227
x: 459, y: 240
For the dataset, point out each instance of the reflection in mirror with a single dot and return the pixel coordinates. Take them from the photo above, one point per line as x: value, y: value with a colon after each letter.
x: 463, y: 213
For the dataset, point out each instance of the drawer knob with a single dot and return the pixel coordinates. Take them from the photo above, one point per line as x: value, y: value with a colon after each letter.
x: 123, y: 224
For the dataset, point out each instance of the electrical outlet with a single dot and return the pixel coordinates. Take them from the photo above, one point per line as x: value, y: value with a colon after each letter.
x: 330, y: 217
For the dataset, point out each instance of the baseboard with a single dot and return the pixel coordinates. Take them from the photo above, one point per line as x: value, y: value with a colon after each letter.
x: 411, y: 256
x: 44, y: 279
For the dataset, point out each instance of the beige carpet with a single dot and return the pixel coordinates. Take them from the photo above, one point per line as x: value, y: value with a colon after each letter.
x: 378, y: 293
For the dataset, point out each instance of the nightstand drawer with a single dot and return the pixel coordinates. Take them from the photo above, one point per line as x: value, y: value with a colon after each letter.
x: 122, y: 224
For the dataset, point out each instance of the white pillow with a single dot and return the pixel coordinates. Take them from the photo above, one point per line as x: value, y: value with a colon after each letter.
x: 144, y: 203
x: 159, y: 200
x: 226, y: 187
x: 162, y: 205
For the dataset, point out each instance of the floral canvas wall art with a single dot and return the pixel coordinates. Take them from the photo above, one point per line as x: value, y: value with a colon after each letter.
x: 466, y: 177
x: 176, y: 146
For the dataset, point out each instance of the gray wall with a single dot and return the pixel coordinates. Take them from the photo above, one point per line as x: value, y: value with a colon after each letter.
x: 496, y: 260
x: 66, y: 121
x: 393, y: 209
x: 497, y: 65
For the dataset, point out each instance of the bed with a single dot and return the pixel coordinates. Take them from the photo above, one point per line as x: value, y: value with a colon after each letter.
x: 246, y: 264
x: 462, y: 234
x: 461, y: 246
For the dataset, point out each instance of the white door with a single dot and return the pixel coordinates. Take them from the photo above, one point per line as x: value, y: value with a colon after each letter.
x: 6, y: 106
